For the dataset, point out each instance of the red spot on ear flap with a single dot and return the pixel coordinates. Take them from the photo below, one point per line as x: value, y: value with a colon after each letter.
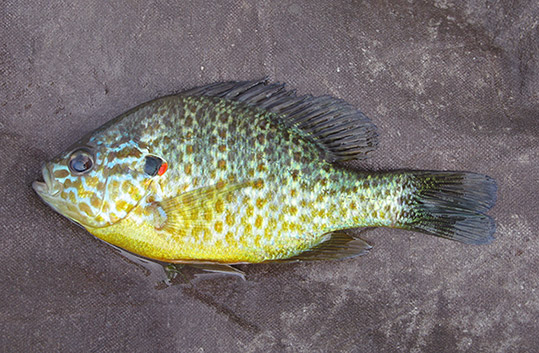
x: 162, y: 169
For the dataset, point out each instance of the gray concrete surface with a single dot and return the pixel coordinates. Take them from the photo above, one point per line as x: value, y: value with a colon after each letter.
x: 450, y: 86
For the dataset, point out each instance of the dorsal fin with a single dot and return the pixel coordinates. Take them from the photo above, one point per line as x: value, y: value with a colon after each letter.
x: 341, y: 130
x: 338, y: 246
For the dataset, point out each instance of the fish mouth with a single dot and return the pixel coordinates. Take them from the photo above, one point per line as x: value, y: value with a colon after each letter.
x: 49, y: 190
x: 46, y: 188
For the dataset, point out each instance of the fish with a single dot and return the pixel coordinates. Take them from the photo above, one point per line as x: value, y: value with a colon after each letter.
x: 250, y: 172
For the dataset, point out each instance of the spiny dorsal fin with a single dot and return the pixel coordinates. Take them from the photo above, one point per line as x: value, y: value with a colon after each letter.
x: 338, y: 246
x: 336, y: 126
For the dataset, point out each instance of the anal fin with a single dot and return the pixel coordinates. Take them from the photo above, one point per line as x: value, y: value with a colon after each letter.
x: 338, y: 246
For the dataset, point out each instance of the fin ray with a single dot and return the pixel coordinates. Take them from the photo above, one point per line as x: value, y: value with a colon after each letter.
x: 338, y: 128
x: 188, y: 210
x: 219, y: 268
x: 338, y: 246
x: 452, y: 205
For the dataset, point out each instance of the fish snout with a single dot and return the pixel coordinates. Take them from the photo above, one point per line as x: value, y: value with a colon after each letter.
x: 48, y: 186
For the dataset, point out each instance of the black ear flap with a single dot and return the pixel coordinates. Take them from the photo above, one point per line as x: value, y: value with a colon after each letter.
x: 152, y: 165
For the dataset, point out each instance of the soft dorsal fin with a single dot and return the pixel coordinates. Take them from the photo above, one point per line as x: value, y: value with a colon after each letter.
x: 338, y: 246
x: 341, y: 130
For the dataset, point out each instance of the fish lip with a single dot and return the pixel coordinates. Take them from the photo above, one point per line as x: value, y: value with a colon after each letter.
x: 45, y: 187
x: 40, y: 187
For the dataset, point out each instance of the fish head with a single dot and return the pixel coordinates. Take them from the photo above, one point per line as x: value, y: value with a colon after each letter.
x: 96, y: 183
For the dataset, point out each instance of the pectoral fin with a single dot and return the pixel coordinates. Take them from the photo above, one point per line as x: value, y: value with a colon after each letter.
x: 195, y: 208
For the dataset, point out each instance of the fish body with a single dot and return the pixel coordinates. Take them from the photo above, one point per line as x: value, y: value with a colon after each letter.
x: 246, y: 172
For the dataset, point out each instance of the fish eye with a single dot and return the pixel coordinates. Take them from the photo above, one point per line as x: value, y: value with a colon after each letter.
x: 80, y: 162
x: 155, y: 166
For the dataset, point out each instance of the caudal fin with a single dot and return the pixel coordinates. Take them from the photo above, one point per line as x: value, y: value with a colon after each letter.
x: 451, y: 205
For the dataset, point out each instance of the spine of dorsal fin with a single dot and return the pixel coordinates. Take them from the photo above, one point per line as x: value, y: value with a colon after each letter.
x: 339, y: 129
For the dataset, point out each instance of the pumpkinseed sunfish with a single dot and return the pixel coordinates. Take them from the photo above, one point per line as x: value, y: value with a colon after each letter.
x: 246, y: 172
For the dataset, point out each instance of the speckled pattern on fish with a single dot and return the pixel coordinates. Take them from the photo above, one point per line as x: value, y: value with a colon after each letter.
x: 244, y: 172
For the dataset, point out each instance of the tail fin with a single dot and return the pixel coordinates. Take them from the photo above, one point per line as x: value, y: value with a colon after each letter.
x: 451, y: 205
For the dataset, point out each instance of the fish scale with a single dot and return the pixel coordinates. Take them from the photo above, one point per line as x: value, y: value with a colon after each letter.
x: 249, y: 176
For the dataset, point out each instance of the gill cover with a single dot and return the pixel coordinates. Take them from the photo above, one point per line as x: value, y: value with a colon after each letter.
x: 97, y: 184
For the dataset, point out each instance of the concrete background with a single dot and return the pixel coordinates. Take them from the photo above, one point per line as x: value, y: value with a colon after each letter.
x: 450, y: 86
